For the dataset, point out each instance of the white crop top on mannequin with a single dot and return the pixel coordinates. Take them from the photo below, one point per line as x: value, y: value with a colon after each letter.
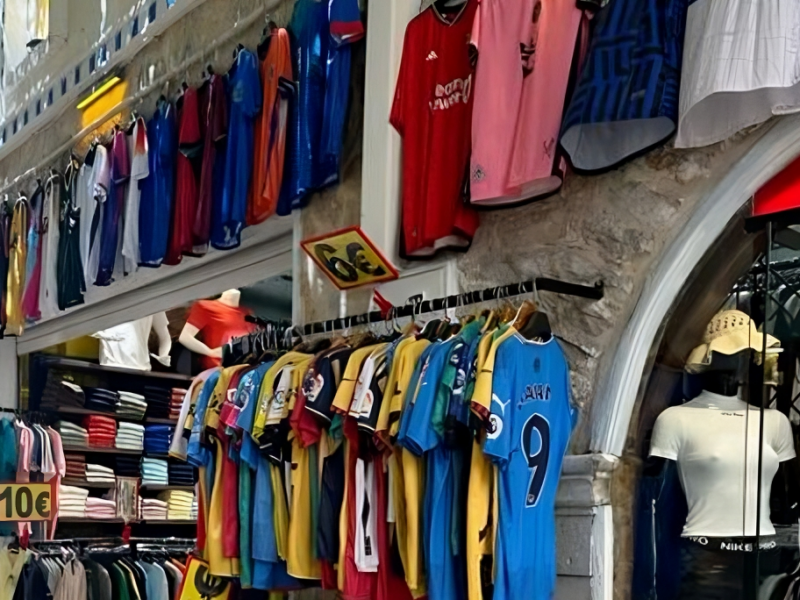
x: 707, y: 437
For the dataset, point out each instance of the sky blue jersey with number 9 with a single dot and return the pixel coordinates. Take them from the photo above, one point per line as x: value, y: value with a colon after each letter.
x: 530, y: 425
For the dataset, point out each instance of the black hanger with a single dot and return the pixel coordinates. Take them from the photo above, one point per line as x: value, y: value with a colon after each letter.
x: 430, y: 329
x: 537, y: 327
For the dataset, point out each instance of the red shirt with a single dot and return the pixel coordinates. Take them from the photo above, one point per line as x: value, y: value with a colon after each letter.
x: 190, y: 146
x: 433, y: 113
x: 218, y: 324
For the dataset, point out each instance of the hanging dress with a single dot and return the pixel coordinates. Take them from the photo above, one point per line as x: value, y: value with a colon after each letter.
x: 18, y: 254
x: 33, y: 266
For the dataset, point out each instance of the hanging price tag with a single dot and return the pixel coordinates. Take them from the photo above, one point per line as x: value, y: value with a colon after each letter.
x: 27, y: 501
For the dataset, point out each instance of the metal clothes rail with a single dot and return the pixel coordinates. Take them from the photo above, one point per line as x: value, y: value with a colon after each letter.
x: 540, y: 284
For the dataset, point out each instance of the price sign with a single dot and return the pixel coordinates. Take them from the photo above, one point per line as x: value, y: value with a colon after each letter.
x: 27, y: 501
x: 349, y: 258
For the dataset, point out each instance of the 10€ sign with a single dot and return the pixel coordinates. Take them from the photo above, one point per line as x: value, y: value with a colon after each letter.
x: 26, y: 501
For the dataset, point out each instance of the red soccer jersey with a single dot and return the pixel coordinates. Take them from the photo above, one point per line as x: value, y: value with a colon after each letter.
x: 433, y: 113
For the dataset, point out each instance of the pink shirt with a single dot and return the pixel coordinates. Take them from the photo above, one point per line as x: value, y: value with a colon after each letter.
x: 525, y: 51
x: 58, y: 452
x: 24, y: 435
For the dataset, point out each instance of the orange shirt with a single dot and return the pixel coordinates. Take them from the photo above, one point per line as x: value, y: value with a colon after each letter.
x: 270, y: 131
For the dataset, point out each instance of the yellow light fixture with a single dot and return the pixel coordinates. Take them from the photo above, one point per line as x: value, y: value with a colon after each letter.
x: 99, y: 92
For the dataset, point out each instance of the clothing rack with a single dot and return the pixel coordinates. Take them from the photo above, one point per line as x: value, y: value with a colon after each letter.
x: 418, y: 306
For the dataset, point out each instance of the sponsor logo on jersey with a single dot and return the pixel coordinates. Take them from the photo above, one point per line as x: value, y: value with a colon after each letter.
x: 432, y: 56
x: 537, y: 391
x: 456, y: 92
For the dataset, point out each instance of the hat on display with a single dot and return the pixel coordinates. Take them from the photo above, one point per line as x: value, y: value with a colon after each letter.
x: 729, y: 332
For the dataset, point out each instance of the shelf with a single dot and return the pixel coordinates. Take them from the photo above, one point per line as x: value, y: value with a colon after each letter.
x: 159, y: 488
x: 87, y: 484
x: 77, y: 410
x: 169, y: 522
x: 94, y: 450
x: 87, y: 520
x: 80, y: 365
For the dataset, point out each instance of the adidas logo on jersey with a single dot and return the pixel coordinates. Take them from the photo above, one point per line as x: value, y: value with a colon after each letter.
x: 432, y: 56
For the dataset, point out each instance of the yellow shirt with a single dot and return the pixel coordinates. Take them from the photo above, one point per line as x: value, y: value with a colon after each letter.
x: 301, y: 561
x: 280, y: 512
x: 408, y: 362
x: 265, y: 395
x: 220, y: 394
x: 382, y: 426
x: 347, y: 387
x: 482, y: 396
x: 17, y: 257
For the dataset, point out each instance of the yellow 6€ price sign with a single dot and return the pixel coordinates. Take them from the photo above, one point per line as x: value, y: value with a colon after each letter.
x: 26, y: 501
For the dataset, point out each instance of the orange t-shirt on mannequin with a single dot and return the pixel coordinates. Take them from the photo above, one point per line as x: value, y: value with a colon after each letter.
x: 218, y: 323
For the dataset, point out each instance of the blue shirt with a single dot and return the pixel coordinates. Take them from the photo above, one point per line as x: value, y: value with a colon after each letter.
x: 310, y: 37
x: 245, y: 95
x: 196, y: 453
x: 530, y: 425
x: 155, y: 206
x: 249, y: 400
x: 627, y: 95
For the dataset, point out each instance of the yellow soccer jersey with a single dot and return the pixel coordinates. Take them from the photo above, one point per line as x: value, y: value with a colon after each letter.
x: 268, y: 388
x: 347, y: 387
x: 302, y: 561
x: 382, y: 427
x: 409, y: 361
x: 482, y: 396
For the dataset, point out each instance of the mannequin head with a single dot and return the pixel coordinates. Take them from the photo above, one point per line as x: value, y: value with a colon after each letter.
x: 727, y: 373
x: 230, y: 297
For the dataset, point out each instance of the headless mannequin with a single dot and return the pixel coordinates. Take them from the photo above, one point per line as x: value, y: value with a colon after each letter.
x: 189, y: 333
x: 123, y: 355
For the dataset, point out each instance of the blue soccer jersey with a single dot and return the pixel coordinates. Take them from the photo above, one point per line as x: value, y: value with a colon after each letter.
x: 530, y: 425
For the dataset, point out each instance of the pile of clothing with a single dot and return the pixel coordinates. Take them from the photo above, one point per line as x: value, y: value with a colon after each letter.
x: 127, y: 466
x: 59, y: 393
x: 176, y: 402
x: 181, y: 474
x: 152, y: 509
x: 130, y: 436
x: 72, y: 434
x: 100, y: 508
x: 131, y: 406
x: 158, y: 401
x: 99, y: 474
x: 102, y: 431
x: 154, y: 471
x: 72, y: 501
x: 76, y: 466
x: 157, y: 438
x: 181, y: 506
x: 100, y: 399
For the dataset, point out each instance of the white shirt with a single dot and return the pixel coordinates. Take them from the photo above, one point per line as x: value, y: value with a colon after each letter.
x: 99, y: 182
x: 140, y: 169
x: 741, y: 65
x: 85, y: 203
x: 126, y: 345
x: 714, y: 439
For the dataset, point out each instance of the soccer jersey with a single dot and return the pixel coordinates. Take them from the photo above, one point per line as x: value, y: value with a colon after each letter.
x: 214, y: 125
x: 525, y: 49
x: 155, y: 205
x: 113, y: 209
x: 270, y: 133
x: 626, y: 99
x: 33, y: 265
x: 187, y: 171
x: 18, y: 253
x: 230, y: 212
x: 432, y: 112
x: 138, y: 151
x: 530, y: 425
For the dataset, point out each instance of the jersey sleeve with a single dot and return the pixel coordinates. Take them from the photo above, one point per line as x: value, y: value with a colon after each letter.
x: 420, y: 436
x: 500, y: 425
x: 784, y: 441
x: 253, y: 94
x: 666, y: 441
x: 345, y: 22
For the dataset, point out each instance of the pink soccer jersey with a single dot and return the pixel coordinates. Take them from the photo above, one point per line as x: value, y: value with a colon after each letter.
x: 525, y: 50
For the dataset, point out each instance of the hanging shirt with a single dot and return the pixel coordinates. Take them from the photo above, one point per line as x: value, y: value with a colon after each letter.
x: 530, y: 425
x: 310, y: 39
x: 84, y: 203
x: 346, y: 28
x: 740, y: 67
x: 33, y: 266
x: 138, y: 151
x: 114, y: 207
x: 245, y: 102
x: 190, y: 148
x: 18, y: 254
x: 155, y: 205
x: 525, y: 49
x: 618, y: 112
x: 11, y: 564
x: 214, y: 126
x: 271, y: 126
x: 5, y: 231
x: 99, y: 185
x: 71, y: 284
x: 432, y: 112
x: 51, y: 225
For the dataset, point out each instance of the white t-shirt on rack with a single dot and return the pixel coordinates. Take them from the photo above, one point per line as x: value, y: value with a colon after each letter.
x: 714, y: 440
x: 126, y: 345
